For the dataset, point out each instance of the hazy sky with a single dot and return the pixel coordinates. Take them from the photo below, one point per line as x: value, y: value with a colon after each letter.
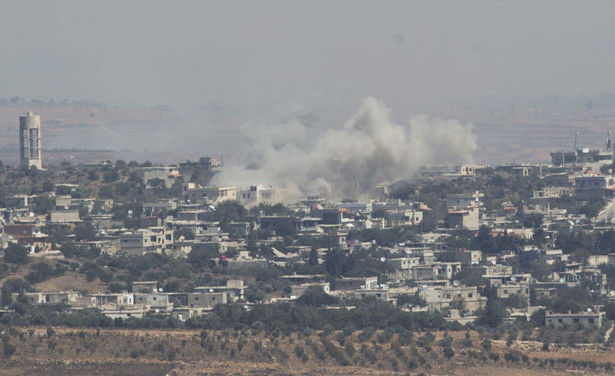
x: 269, y: 52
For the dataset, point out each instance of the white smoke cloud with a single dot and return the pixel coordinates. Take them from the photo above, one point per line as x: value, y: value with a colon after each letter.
x: 346, y: 162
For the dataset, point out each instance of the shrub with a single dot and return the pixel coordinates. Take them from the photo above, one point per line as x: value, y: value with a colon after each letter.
x: 366, y: 334
x: 349, y: 348
x: 8, y: 349
x: 385, y: 336
x: 486, y: 344
x: 16, y: 254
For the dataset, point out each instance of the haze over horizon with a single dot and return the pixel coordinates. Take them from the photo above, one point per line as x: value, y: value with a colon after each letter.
x: 273, y: 61
x: 271, y: 52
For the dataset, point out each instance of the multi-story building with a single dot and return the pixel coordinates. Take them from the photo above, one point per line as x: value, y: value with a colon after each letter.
x: 146, y: 240
x: 30, y: 141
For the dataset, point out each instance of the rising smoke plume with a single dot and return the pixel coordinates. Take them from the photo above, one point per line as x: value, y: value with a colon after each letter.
x: 347, y: 162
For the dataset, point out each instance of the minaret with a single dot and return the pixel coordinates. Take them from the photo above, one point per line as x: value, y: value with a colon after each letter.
x: 30, y: 141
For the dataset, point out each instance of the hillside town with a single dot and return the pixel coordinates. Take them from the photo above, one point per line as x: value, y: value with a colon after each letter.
x: 472, y: 243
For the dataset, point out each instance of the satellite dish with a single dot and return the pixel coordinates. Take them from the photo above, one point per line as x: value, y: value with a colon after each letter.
x: 65, y: 207
x: 513, y: 279
x: 211, y: 290
x: 562, y: 280
x: 31, y: 214
x: 456, y: 283
x: 383, y: 259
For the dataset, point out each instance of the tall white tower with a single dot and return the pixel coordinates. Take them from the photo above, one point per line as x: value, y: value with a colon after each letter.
x: 30, y: 141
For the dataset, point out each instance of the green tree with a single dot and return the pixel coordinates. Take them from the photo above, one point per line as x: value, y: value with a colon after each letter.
x: 43, y: 204
x: 493, y: 314
x: 48, y: 186
x: 85, y: 231
x: 22, y: 298
x: 6, y: 298
x: 313, y: 259
x: 315, y: 296
x: 16, y: 254
x: 229, y: 211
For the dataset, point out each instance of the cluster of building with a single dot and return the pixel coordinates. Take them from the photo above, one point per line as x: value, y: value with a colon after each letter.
x: 145, y: 299
x: 414, y: 267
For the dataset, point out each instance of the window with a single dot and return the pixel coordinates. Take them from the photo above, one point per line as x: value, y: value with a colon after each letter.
x: 591, y: 321
x: 470, y: 295
x: 560, y: 320
x: 448, y: 296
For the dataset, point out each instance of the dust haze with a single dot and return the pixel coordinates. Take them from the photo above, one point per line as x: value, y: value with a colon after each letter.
x: 347, y: 161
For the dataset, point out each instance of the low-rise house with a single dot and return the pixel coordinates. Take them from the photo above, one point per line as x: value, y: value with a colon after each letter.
x: 298, y: 290
x: 86, y: 301
x: 356, y: 283
x: 118, y: 299
x: 595, y: 260
x: 101, y: 221
x: 304, y: 278
x: 64, y: 216
x: 259, y: 194
x: 124, y: 312
x: 145, y: 241
x: 585, y: 319
x: 40, y: 298
x: 209, y: 195
x: 492, y: 271
x: 505, y: 291
x: 588, y: 187
x: 144, y: 286
x: 467, y: 218
x: 403, y: 266
x: 27, y: 234
x: 109, y: 246
x: 464, y: 200
x: 464, y: 298
x: 165, y: 174
x: 436, y: 270
x: 158, y: 302
x: 19, y: 201
x: 185, y: 313
x: 204, y: 300
x: 234, y: 290
x: 238, y: 264
x: 378, y: 293
x: 239, y: 229
x: 551, y: 256
x: 469, y: 257
x: 310, y: 224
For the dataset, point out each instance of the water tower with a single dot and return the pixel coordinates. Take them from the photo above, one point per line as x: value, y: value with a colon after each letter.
x: 30, y: 141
